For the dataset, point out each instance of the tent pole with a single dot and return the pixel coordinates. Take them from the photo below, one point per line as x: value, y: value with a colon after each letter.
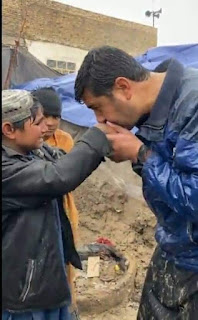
x: 13, y: 57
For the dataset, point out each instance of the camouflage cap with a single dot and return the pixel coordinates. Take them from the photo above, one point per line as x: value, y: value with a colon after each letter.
x: 16, y: 105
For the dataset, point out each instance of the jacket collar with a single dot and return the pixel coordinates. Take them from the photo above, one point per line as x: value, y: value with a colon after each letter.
x: 11, y: 152
x: 44, y: 153
x: 167, y: 95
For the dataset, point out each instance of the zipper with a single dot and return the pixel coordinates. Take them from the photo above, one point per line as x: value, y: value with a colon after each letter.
x: 29, y: 276
x: 152, y: 127
x: 190, y: 232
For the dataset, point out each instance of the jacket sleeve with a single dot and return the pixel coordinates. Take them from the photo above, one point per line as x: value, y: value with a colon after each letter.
x: 43, y: 179
x: 177, y: 180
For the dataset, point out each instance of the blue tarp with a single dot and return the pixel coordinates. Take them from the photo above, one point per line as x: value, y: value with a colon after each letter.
x: 186, y: 54
x: 78, y: 113
x: 72, y: 111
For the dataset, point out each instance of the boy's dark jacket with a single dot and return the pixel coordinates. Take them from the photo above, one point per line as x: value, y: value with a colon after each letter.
x: 33, y: 276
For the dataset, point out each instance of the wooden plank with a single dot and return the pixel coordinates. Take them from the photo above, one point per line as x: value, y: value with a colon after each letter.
x: 93, y: 267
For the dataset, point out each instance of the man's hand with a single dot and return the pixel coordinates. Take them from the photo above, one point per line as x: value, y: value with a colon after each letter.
x: 125, y: 144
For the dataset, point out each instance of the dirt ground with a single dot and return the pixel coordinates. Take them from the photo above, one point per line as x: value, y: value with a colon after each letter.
x: 111, y: 205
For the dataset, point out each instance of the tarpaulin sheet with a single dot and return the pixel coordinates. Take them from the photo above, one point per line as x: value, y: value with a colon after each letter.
x: 72, y: 111
x: 186, y: 54
x: 78, y: 113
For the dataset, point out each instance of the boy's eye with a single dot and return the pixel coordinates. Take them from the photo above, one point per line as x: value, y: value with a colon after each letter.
x: 37, y: 123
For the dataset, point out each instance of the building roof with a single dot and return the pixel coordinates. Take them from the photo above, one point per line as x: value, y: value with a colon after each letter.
x: 59, y: 23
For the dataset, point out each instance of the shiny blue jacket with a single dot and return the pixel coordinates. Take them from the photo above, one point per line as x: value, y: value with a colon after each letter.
x: 170, y: 175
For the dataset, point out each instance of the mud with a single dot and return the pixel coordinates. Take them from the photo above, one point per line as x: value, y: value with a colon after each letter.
x: 111, y: 205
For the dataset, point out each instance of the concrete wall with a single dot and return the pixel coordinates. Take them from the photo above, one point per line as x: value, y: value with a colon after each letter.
x: 53, y: 22
x: 47, y: 50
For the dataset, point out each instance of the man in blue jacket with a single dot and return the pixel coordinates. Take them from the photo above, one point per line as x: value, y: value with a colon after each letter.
x: 164, y: 107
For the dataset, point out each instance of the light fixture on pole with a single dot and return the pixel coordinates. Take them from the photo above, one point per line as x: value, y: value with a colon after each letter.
x: 154, y: 14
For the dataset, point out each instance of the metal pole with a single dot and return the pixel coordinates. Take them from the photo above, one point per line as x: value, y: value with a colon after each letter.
x: 153, y: 14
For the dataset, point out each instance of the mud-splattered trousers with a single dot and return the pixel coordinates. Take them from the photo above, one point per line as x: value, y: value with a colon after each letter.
x: 169, y: 293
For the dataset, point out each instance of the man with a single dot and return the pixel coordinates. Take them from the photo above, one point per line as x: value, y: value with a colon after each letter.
x: 37, y: 239
x: 55, y: 137
x: 164, y: 106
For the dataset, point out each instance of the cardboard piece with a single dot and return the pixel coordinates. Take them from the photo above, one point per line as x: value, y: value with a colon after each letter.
x: 93, y: 267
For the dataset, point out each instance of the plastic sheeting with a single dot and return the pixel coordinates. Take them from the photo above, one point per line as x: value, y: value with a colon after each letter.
x: 186, y: 54
x: 72, y: 111
x: 78, y: 113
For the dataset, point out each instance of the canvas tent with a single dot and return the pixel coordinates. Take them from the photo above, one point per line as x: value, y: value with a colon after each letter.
x: 26, y: 68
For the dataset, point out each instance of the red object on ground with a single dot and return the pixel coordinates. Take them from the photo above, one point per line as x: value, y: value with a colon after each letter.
x: 105, y: 241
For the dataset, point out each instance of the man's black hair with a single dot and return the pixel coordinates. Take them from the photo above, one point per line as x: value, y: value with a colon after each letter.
x: 102, y: 66
x: 34, y: 109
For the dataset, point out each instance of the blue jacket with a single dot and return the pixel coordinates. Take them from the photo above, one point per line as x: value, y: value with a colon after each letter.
x: 170, y: 175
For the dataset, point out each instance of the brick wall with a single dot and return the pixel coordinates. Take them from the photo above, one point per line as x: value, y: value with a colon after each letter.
x: 55, y: 22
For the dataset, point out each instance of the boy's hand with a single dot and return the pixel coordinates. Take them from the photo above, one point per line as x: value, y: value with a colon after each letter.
x: 105, y: 128
x: 124, y: 143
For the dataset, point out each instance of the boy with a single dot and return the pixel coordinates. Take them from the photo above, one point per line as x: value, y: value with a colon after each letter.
x: 37, y: 239
x: 55, y: 137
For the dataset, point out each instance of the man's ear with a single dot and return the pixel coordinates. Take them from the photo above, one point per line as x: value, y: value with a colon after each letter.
x: 8, y: 130
x: 123, y: 84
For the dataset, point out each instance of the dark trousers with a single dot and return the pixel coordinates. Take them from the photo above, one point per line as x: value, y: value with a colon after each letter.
x: 169, y: 293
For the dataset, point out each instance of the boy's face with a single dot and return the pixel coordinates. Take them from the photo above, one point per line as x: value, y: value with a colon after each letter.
x: 52, y: 123
x: 30, y: 137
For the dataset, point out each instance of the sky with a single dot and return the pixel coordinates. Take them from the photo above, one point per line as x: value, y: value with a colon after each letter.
x: 178, y: 23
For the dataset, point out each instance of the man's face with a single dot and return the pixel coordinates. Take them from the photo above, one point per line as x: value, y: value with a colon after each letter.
x: 31, y: 137
x: 117, y: 108
x: 52, y: 123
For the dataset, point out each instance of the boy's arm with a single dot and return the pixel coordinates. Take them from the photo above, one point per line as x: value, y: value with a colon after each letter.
x: 48, y: 180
